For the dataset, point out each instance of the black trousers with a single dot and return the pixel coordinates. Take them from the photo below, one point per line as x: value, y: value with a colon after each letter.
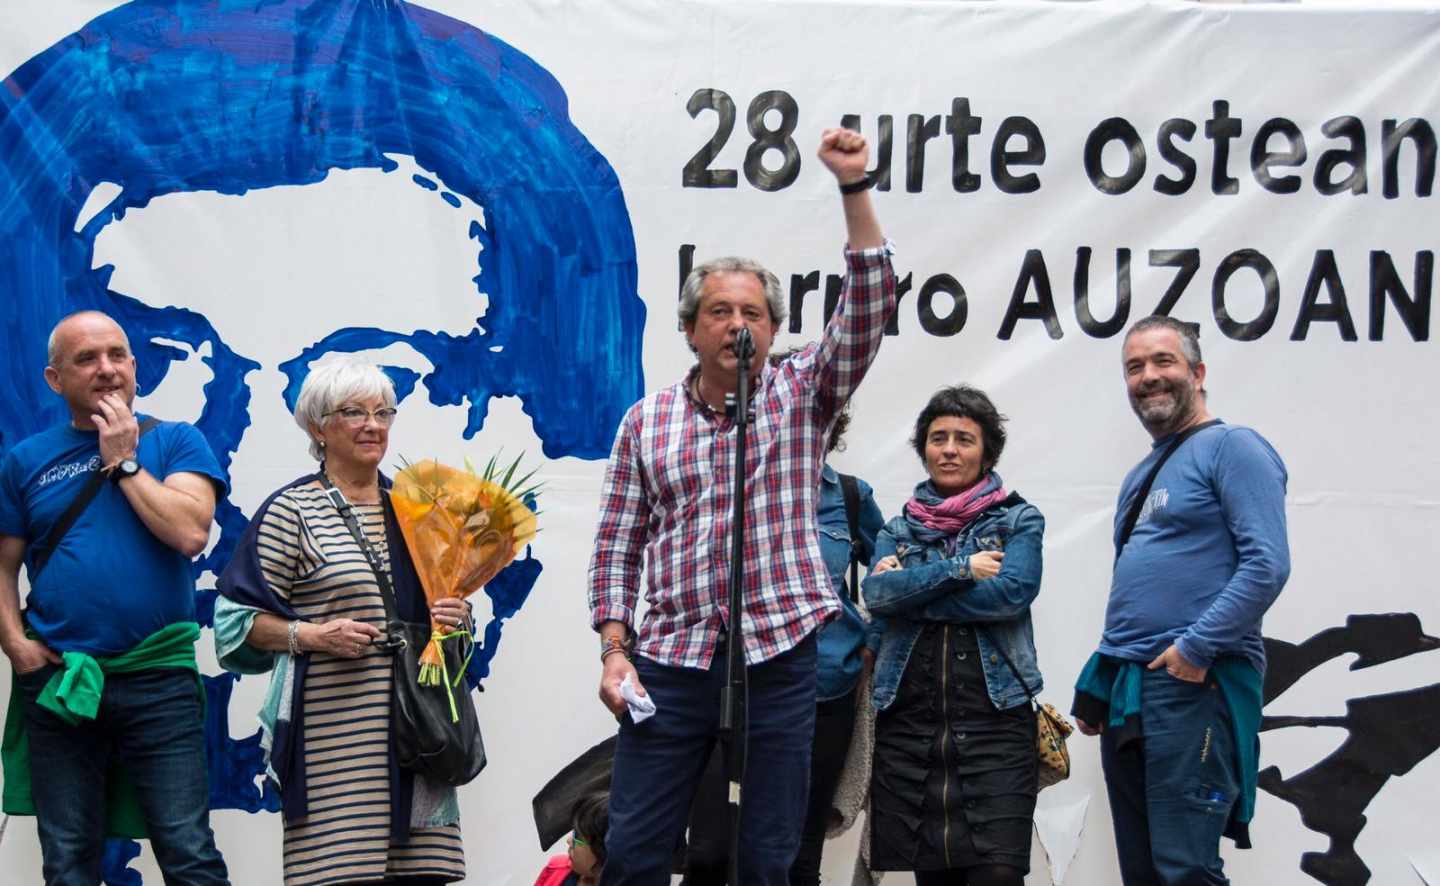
x: 707, y: 856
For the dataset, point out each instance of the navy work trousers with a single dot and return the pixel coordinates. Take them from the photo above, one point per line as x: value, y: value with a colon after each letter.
x: 1171, y: 792
x: 659, y: 763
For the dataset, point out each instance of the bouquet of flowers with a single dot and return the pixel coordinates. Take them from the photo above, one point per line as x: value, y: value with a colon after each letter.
x: 462, y: 528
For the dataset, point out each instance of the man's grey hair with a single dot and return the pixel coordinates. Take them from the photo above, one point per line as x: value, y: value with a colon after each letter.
x: 695, y: 285
x: 1188, y: 333
x: 333, y: 383
x: 52, y: 344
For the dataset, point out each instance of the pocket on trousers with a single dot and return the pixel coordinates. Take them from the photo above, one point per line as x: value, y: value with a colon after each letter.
x: 1213, y: 783
x: 33, y: 681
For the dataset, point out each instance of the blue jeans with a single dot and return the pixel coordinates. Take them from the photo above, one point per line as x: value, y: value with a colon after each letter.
x: 659, y: 763
x: 151, y: 722
x: 1172, y: 791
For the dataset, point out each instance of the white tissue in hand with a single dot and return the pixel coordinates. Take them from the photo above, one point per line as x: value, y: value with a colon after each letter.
x: 641, y: 707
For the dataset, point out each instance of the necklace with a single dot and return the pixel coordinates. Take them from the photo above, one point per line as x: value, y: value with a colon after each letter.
x: 367, y: 494
x: 700, y: 398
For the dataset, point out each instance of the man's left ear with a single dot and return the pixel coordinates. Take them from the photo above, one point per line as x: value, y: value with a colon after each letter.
x: 1199, y: 372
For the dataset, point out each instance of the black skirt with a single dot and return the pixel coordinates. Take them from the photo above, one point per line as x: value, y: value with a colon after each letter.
x: 954, y: 779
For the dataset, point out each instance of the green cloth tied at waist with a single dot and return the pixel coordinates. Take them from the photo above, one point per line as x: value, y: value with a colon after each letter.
x: 1115, y: 686
x: 73, y: 694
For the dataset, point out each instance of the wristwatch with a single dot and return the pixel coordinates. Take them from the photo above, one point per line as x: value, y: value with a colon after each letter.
x: 127, y: 467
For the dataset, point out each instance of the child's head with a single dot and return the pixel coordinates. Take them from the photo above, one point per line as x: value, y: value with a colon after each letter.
x: 587, y: 844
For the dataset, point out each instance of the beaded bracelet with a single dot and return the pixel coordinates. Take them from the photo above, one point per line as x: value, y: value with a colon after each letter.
x: 614, y: 644
x: 292, y: 637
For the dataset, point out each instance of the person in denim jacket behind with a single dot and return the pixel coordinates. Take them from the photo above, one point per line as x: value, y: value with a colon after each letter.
x: 953, y: 790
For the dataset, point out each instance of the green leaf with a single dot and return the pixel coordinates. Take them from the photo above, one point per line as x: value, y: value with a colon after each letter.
x: 521, y: 482
x: 505, y: 484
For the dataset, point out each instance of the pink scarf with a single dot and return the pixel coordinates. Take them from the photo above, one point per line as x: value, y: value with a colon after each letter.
x: 951, y: 515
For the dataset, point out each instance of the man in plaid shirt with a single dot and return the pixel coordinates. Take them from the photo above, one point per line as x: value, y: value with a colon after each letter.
x: 668, y: 499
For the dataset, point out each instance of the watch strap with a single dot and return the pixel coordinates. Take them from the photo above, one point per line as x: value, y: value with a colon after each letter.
x: 127, y: 467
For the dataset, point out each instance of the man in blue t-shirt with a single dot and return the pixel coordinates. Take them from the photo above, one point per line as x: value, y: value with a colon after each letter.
x: 112, y: 609
x: 1175, y: 687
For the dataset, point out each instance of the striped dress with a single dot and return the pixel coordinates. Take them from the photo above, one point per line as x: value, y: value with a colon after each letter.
x: 309, y: 557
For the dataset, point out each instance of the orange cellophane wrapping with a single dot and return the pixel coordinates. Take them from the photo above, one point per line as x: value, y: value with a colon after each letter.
x: 460, y: 530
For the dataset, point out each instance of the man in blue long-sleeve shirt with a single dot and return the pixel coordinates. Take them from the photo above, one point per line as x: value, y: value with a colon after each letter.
x: 1175, y: 687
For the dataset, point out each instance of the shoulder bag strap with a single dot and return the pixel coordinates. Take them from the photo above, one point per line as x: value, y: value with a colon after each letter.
x: 1138, y: 502
x: 77, y: 507
x: 1009, y: 664
x: 851, y: 489
x: 382, y: 576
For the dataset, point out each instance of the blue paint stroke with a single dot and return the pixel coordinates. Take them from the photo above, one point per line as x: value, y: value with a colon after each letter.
x: 507, y: 592
x: 403, y: 379
x: 205, y: 607
x: 236, y: 766
x: 171, y: 96
x: 115, y: 867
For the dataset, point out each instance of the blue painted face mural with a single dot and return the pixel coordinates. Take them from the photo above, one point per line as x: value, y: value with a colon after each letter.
x: 163, y: 98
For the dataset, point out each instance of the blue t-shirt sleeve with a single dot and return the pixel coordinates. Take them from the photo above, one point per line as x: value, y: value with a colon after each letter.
x: 12, y: 503
x: 185, y: 450
x: 1250, y: 485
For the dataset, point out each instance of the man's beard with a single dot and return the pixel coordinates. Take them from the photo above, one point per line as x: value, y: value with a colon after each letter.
x: 1166, y: 417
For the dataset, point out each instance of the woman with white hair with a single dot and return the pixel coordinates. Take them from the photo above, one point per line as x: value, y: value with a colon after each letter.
x: 301, y: 599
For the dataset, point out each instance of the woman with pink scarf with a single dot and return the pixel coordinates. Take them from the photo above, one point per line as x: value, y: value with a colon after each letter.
x: 953, y: 790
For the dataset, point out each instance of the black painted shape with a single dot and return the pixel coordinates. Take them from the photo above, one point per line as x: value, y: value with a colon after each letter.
x: 1388, y: 735
x: 1374, y: 638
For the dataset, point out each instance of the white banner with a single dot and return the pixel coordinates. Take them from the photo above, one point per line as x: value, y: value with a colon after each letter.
x: 496, y: 201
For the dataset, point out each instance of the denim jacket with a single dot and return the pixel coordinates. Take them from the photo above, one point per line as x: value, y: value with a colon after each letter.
x: 935, y: 588
x: 837, y: 657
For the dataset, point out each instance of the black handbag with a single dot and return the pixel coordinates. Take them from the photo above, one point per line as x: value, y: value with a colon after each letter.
x: 432, y: 734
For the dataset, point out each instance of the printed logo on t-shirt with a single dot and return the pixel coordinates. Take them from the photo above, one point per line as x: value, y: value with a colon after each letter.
x: 66, y: 471
x: 1155, y: 501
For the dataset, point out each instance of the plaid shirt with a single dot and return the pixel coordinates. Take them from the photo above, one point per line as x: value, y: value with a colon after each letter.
x: 669, y: 494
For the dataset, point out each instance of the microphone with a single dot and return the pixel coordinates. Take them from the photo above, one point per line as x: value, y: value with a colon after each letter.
x: 744, y: 348
x: 744, y: 345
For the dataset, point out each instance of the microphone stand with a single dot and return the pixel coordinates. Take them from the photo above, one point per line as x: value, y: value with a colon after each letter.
x: 734, y: 698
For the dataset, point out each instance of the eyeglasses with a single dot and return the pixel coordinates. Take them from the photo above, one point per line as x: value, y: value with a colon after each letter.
x: 354, y: 416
